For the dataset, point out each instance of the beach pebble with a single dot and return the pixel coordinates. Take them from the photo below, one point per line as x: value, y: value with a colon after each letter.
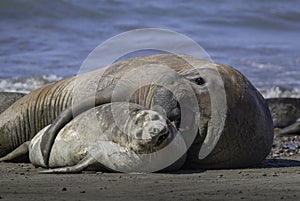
x: 285, y: 147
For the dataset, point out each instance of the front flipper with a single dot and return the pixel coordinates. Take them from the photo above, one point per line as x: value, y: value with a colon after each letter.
x: 293, y: 129
x: 83, y: 164
x: 18, y: 154
x: 67, y: 115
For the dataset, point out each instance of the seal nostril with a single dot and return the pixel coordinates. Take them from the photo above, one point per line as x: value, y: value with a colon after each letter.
x: 199, y: 81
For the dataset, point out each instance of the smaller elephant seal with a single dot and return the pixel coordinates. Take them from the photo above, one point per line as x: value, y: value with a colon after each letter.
x: 8, y: 98
x: 286, y: 115
x: 114, y: 140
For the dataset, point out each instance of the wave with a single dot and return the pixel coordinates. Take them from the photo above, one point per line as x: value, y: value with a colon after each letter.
x: 26, y: 84
x: 280, y: 92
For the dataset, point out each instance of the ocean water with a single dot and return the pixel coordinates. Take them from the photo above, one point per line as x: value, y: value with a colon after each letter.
x: 43, y: 41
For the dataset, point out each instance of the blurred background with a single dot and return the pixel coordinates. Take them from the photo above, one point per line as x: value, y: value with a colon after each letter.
x: 43, y: 41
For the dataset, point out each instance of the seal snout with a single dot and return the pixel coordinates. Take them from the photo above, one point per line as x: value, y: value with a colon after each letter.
x: 154, y: 130
x: 160, y: 133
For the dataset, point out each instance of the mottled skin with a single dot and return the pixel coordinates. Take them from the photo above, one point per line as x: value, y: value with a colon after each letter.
x: 286, y: 115
x: 245, y: 140
x: 137, y: 131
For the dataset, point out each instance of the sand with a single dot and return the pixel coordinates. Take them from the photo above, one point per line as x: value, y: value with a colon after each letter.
x: 275, y: 179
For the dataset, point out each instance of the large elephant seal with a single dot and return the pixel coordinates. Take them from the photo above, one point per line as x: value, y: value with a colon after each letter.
x: 286, y: 115
x: 237, y: 134
x: 247, y: 135
x: 119, y: 144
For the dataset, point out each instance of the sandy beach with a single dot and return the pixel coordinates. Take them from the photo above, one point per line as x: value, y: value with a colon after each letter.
x: 275, y: 179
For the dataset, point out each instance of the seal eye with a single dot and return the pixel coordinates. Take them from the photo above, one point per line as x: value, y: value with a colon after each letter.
x: 199, y: 81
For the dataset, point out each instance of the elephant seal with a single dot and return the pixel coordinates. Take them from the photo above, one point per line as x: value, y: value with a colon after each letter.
x: 247, y: 136
x: 286, y: 115
x: 237, y: 134
x: 118, y: 144
x: 8, y: 98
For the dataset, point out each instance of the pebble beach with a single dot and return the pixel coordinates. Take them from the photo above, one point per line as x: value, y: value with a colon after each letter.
x: 285, y: 147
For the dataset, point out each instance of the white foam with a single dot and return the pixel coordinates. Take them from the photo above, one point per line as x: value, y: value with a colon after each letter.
x: 26, y: 84
x: 275, y: 92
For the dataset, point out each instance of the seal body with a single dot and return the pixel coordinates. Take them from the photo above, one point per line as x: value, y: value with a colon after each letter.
x: 286, y: 114
x: 234, y: 128
x: 113, y: 137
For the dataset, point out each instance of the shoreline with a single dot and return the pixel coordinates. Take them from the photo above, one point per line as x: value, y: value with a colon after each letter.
x: 276, y: 179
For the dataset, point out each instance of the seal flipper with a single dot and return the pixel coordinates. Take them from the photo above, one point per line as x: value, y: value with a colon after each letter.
x: 17, y: 154
x: 83, y: 164
x: 293, y: 129
x: 67, y: 115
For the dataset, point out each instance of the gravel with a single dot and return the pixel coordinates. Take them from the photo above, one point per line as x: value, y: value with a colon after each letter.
x: 285, y: 147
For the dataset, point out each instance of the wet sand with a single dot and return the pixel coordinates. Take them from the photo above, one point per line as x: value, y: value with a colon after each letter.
x: 275, y: 179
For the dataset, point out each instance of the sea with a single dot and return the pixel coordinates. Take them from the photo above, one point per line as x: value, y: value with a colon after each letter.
x: 43, y: 41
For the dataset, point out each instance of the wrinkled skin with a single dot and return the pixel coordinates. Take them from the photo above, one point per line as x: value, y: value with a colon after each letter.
x: 286, y: 115
x: 246, y: 138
